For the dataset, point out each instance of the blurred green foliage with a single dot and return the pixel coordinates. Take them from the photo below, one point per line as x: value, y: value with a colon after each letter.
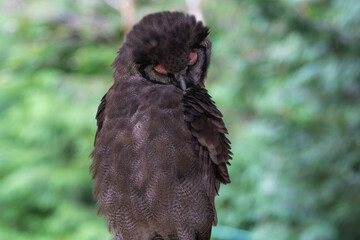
x: 286, y: 75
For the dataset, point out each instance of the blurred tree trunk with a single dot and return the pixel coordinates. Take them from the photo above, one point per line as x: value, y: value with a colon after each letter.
x: 194, y: 8
x: 126, y: 9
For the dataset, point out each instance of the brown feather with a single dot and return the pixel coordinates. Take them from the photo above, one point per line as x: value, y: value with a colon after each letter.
x: 208, y: 129
x: 160, y: 153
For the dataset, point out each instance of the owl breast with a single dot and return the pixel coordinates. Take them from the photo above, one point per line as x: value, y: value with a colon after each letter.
x: 152, y: 162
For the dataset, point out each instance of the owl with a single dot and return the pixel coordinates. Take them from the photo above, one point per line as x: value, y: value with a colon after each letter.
x: 160, y: 148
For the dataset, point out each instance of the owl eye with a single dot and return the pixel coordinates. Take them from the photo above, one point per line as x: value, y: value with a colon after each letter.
x: 160, y: 69
x: 193, y: 58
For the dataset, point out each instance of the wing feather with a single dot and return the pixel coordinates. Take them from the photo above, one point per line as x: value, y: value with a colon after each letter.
x: 100, y: 116
x: 205, y: 123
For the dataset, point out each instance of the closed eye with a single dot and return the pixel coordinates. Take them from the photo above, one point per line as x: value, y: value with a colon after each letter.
x: 192, y: 58
x: 160, y: 69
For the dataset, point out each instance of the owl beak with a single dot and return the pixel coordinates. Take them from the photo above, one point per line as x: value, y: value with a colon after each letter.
x: 182, y: 83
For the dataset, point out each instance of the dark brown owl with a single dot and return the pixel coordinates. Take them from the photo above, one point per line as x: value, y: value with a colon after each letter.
x: 160, y: 148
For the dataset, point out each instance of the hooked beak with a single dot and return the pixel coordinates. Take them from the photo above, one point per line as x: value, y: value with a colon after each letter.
x: 182, y: 83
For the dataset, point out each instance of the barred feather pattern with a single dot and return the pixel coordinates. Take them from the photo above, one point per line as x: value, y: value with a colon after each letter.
x: 149, y: 178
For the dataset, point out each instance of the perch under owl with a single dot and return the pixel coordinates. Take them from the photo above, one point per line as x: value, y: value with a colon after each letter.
x: 160, y: 148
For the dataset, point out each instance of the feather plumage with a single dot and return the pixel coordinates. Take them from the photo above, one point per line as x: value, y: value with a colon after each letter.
x: 160, y: 153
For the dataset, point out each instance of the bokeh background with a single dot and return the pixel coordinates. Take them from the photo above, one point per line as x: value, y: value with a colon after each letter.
x: 285, y: 73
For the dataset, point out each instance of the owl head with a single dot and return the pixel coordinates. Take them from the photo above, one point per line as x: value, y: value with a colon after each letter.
x: 167, y: 48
